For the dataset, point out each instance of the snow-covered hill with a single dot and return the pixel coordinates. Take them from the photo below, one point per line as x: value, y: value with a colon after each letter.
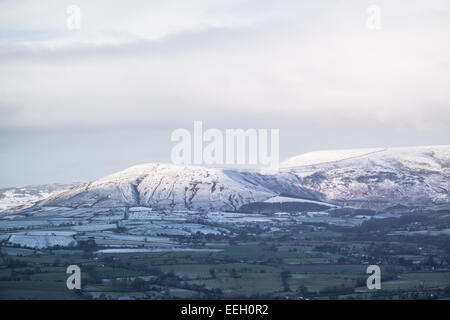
x: 376, y: 178
x: 27, y: 195
x: 166, y: 186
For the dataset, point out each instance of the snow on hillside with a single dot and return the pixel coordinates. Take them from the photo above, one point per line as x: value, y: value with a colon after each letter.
x: 377, y: 178
x: 23, y: 196
x: 326, y: 156
x: 43, y: 239
x: 167, y: 186
x: 280, y: 199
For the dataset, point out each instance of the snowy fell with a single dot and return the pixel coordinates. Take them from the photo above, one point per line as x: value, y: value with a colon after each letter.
x: 179, y: 187
x: 376, y: 178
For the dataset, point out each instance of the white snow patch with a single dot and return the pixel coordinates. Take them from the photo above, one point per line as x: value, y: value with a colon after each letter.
x: 41, y: 241
x: 127, y: 250
x: 280, y: 199
x: 317, y: 157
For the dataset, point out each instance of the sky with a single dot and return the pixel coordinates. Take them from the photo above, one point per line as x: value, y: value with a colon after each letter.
x: 77, y: 104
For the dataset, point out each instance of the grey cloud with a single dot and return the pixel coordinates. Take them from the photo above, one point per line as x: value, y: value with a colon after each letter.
x: 311, y: 69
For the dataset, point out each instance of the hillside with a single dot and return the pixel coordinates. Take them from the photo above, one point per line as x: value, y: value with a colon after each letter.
x: 376, y: 178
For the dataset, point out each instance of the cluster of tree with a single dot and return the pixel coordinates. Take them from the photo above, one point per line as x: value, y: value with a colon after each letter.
x: 331, y: 248
x: 337, y: 289
x: 285, y: 276
x: 137, y: 284
x: 15, y: 263
x: 87, y: 245
x: 93, y: 276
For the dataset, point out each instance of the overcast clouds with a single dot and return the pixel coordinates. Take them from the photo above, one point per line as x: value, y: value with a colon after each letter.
x: 311, y: 69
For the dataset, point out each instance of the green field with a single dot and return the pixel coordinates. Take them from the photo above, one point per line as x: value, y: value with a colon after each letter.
x: 323, y: 262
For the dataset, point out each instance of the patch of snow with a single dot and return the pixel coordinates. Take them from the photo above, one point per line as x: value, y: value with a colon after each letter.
x: 138, y: 209
x: 127, y: 250
x: 95, y: 227
x: 41, y: 241
x: 280, y: 199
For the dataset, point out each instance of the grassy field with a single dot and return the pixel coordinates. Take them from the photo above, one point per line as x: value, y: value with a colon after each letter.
x: 50, y: 289
x: 242, y: 269
x: 325, y: 263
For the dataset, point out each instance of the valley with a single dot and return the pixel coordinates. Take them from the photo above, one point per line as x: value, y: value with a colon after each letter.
x: 164, y: 231
x: 138, y: 253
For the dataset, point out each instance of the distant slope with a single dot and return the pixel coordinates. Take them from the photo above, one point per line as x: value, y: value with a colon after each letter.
x: 27, y: 195
x: 166, y: 186
x: 327, y: 156
x: 376, y: 178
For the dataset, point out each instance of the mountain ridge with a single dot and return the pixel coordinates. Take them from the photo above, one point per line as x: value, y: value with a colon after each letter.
x: 370, y: 178
x: 169, y: 186
x: 377, y: 179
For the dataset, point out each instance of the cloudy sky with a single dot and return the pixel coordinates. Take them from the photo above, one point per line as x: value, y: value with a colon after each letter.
x: 78, y: 104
